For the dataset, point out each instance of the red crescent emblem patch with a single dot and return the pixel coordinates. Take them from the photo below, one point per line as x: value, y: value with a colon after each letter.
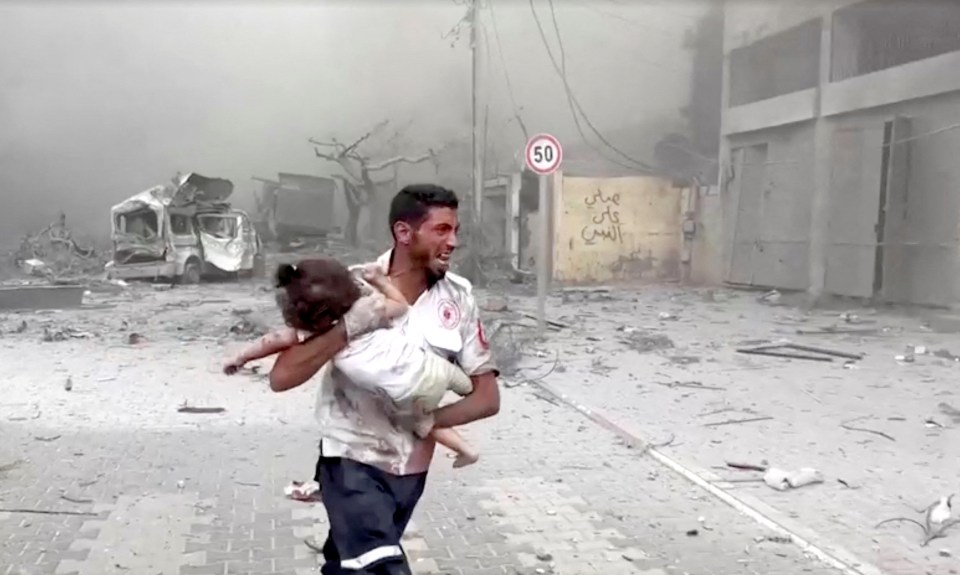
x: 449, y: 313
x: 482, y: 336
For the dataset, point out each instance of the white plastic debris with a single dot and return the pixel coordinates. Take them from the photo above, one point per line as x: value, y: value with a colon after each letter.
x: 782, y: 480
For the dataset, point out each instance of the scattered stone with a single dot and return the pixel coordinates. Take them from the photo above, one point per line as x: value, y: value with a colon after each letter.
x: 68, y: 385
x: 643, y: 341
x: 495, y: 305
x: 544, y: 557
x: 772, y: 297
x: 63, y: 334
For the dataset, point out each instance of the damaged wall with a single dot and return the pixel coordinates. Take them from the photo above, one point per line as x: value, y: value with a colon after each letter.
x: 708, y: 248
x: 610, y: 229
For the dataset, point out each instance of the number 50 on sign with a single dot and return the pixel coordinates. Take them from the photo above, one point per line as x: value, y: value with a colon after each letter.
x: 544, y: 154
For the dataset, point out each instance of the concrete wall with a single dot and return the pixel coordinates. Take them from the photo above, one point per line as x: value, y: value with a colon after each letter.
x: 769, y: 222
x: 615, y: 229
x: 708, y: 249
x: 747, y: 22
x: 931, y: 226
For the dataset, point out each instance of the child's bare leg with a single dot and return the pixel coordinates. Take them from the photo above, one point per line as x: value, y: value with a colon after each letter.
x: 452, y: 440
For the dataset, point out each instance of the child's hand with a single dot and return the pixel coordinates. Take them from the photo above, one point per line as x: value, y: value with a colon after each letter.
x: 232, y: 367
x: 372, y: 273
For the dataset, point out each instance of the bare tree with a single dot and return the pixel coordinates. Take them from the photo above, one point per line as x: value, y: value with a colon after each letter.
x: 359, y: 186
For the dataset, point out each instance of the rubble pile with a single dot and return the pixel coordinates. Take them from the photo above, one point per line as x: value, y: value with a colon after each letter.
x: 52, y: 253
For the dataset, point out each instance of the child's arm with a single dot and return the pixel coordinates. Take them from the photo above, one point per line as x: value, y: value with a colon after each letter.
x: 273, y: 342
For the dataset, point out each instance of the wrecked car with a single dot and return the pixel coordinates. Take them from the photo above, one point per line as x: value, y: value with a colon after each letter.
x: 184, y: 230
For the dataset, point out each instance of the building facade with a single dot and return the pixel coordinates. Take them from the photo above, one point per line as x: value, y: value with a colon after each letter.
x: 840, y: 148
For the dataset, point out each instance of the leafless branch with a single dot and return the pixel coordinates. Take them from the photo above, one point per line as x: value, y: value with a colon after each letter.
x: 325, y: 156
x: 365, y: 137
x: 401, y: 160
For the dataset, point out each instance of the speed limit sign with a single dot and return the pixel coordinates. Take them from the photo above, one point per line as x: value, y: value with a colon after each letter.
x: 544, y: 154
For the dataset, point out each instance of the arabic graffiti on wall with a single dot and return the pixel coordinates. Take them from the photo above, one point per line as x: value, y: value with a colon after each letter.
x: 605, y: 223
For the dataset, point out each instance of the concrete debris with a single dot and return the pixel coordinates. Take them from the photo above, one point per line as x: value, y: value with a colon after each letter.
x: 63, y: 334
x: 52, y: 253
x: 946, y: 354
x: 644, y: 341
x: 495, y: 305
x: 247, y: 327
x: 772, y: 297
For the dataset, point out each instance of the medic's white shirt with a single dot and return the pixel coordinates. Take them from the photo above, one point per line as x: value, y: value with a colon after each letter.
x: 363, y: 426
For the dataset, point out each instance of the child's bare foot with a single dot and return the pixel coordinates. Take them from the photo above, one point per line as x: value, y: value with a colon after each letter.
x: 465, y: 459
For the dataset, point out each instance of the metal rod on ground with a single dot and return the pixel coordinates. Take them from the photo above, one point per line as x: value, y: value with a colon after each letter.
x: 542, y: 267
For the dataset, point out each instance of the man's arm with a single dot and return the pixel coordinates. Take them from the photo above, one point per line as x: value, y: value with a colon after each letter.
x: 299, y: 363
x: 484, y: 402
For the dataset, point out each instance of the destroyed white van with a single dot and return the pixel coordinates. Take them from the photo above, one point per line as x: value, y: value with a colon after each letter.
x: 185, y: 231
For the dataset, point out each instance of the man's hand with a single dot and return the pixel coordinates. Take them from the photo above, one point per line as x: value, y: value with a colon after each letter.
x: 482, y: 403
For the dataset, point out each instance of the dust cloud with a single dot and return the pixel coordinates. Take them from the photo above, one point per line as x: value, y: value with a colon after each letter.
x: 101, y: 100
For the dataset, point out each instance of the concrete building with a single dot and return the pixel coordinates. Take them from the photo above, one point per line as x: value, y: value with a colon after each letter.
x: 840, y: 151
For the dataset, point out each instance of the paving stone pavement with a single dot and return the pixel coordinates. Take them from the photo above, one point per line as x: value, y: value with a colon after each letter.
x: 553, y: 493
x: 152, y: 491
x: 697, y: 389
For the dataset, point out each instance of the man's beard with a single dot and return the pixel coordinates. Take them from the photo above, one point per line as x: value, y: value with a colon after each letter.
x: 434, y: 276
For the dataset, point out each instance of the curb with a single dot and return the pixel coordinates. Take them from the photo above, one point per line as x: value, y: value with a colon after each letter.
x: 803, y: 537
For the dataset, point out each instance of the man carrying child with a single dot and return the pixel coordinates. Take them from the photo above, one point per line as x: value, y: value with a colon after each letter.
x: 371, y: 471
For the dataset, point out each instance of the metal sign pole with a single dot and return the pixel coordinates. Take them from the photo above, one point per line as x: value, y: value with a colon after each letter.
x: 543, y: 155
x: 543, y: 269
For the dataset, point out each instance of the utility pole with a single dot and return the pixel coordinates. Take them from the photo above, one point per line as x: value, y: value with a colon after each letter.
x: 475, y: 103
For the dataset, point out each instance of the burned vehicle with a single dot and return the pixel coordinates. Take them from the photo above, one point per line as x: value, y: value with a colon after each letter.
x: 184, y: 230
x: 296, y: 208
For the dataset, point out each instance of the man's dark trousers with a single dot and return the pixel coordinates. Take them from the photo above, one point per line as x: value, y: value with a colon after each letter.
x: 368, y: 510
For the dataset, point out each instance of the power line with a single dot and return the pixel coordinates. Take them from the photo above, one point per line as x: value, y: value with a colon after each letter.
x: 575, y: 104
x: 506, y: 72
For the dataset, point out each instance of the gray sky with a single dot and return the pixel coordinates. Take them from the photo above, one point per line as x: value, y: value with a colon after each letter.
x: 101, y: 100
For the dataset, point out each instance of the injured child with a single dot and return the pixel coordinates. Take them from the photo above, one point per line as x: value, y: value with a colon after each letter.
x: 315, y: 295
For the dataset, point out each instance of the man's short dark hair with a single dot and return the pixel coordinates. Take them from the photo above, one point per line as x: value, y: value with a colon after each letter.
x: 412, y: 204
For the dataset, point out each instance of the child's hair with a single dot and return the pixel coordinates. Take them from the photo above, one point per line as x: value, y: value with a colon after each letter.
x: 315, y: 293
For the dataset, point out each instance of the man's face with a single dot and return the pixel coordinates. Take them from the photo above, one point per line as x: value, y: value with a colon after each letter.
x: 432, y: 244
